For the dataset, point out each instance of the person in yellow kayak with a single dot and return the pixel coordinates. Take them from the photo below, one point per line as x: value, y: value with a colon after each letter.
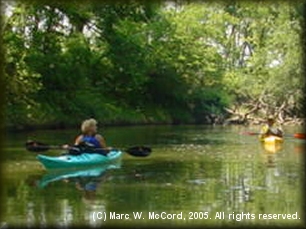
x: 271, y: 129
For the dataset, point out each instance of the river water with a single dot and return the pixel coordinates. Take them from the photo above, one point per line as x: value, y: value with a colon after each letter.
x: 201, y: 173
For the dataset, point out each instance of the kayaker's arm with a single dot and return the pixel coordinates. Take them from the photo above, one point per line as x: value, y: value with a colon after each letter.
x: 264, y: 132
x: 279, y: 132
x: 78, y: 140
x: 101, y: 140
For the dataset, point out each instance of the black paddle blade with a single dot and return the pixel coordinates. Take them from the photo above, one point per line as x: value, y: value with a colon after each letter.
x: 139, y: 151
x: 36, y: 146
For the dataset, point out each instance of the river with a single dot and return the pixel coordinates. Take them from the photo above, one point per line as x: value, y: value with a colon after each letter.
x: 201, y: 173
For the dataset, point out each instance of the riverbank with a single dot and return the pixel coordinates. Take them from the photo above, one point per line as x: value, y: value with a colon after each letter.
x: 142, y: 120
x: 128, y: 119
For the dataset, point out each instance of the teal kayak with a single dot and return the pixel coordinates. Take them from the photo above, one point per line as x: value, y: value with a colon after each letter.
x: 75, y: 161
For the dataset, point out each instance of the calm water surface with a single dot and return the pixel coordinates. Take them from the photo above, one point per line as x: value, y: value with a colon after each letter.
x: 192, y: 169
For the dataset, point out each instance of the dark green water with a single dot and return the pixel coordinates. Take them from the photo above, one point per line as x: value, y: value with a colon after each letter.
x: 192, y: 169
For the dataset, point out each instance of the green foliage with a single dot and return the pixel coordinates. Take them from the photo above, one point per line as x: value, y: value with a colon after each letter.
x: 271, y: 71
x: 140, y: 62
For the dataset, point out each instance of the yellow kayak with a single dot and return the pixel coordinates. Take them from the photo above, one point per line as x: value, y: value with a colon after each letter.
x: 272, y: 144
x: 272, y: 140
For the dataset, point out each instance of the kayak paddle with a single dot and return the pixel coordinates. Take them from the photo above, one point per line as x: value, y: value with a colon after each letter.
x: 300, y: 135
x: 34, y: 146
x: 296, y: 135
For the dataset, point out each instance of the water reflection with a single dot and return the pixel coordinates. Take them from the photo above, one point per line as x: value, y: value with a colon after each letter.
x: 85, y: 179
x: 272, y: 148
x: 183, y: 174
x: 86, y: 182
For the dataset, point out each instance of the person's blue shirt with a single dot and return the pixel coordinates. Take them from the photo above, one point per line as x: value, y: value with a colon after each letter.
x: 92, y: 140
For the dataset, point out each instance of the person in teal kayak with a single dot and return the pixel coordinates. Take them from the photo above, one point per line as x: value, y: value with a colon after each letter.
x: 89, y: 135
x: 271, y: 129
